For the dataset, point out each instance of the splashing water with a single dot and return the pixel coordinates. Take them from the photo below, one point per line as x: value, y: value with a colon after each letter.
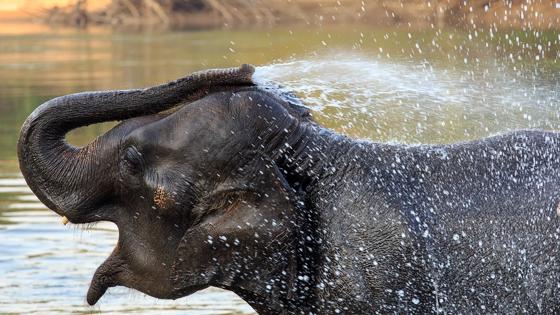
x: 414, y: 102
x: 355, y: 82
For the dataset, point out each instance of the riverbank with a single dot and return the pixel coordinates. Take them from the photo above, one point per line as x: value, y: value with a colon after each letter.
x: 211, y: 14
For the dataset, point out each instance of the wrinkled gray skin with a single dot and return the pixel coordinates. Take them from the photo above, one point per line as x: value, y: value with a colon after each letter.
x: 238, y: 188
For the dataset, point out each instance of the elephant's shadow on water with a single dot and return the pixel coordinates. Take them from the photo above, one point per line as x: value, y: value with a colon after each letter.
x: 215, y: 181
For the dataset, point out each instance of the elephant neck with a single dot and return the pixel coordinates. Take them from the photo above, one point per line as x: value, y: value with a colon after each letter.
x: 347, y: 188
x: 314, y: 163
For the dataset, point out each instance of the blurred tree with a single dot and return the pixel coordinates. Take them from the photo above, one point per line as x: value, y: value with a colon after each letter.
x: 229, y: 13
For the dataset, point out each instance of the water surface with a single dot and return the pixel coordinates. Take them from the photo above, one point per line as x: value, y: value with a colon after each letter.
x: 385, y: 85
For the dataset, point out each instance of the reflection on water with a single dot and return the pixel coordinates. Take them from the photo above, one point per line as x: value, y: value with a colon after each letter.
x: 429, y: 86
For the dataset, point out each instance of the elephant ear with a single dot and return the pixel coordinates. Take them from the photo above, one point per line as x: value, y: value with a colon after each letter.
x: 247, y: 225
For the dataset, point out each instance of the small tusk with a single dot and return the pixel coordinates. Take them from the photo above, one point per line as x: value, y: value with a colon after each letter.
x: 65, y: 220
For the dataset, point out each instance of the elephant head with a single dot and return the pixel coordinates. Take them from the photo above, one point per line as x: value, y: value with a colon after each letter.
x: 190, y: 178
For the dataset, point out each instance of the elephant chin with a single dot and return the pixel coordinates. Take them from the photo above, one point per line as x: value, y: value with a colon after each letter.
x: 105, y: 277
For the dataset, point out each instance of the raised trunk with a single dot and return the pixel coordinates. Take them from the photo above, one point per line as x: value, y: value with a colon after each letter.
x: 65, y: 178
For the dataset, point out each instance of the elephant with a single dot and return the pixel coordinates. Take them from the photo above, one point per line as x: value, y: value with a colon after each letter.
x: 214, y: 180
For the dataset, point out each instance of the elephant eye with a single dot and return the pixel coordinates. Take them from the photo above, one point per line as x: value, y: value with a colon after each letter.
x: 132, y: 161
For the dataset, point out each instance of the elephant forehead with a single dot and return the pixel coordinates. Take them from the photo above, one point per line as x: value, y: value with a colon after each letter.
x: 191, y: 127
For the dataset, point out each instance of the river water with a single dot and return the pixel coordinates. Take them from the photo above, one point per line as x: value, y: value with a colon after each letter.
x: 386, y: 85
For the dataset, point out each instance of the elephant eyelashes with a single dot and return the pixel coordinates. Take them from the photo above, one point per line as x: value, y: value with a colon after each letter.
x: 132, y: 162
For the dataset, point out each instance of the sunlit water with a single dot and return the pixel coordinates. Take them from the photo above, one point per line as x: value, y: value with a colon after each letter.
x: 436, y: 87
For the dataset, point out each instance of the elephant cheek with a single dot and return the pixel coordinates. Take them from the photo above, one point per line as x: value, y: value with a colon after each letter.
x: 195, y: 262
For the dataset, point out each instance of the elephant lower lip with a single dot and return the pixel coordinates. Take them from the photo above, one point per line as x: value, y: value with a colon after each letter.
x: 95, y: 292
x: 107, y: 275
x: 102, y: 280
